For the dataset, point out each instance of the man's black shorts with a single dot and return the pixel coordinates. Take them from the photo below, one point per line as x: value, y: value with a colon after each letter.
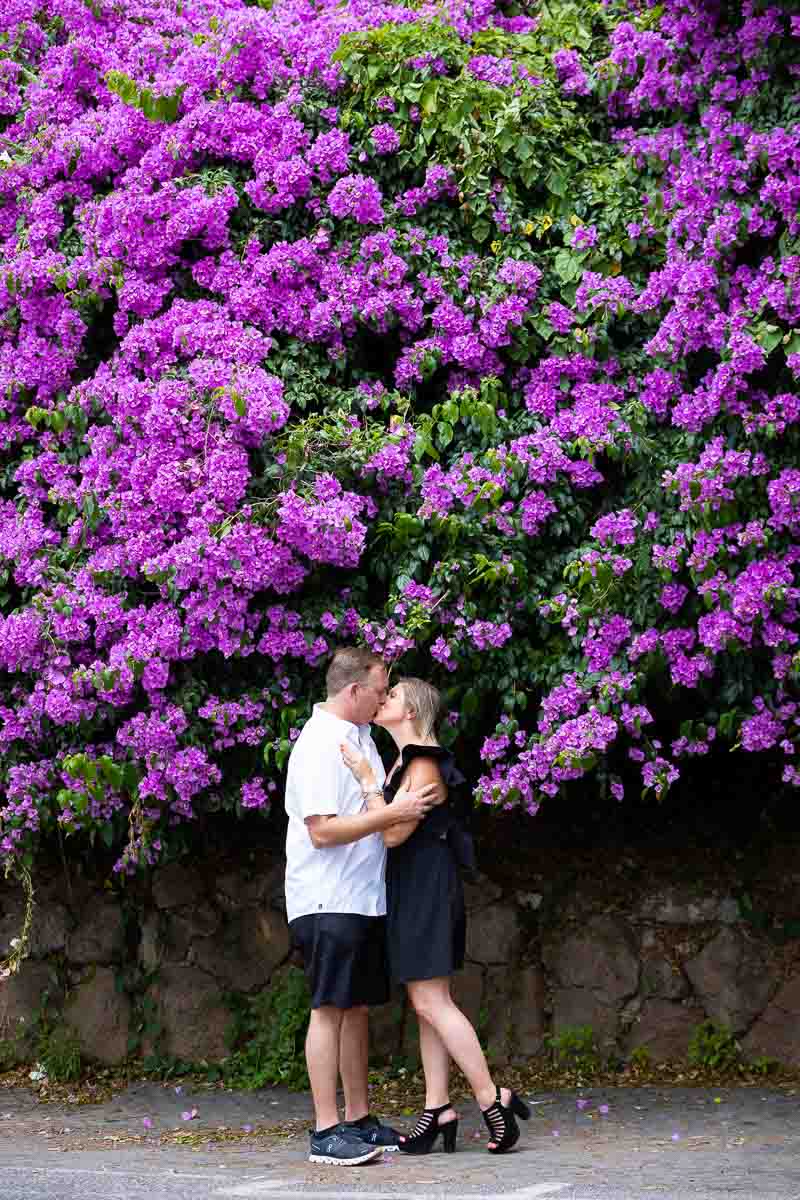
x: 344, y: 955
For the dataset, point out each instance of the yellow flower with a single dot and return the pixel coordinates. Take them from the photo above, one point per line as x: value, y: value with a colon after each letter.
x: 545, y: 222
x: 528, y: 227
x: 495, y: 246
x: 574, y: 220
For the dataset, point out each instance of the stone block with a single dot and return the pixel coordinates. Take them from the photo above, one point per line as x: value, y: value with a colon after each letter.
x: 245, y: 952
x: 238, y: 889
x: 776, y: 1034
x: 186, y: 925
x: 480, y: 892
x: 386, y: 1027
x: 22, y: 997
x: 50, y: 929
x: 176, y: 933
x: 265, y: 936
x: 499, y: 1015
x: 729, y: 911
x: 99, y: 937
x: 679, y: 905
x: 577, y: 1007
x: 601, y: 958
x: 663, y: 979
x: 12, y: 917
x: 100, y: 1016
x: 595, y: 970
x: 467, y: 991
x: 176, y: 885
x: 192, y: 1014
x: 493, y: 935
x: 410, y: 1042
x: 527, y: 1017
x: 664, y: 1029
x: 199, y: 920
x: 731, y: 979
x: 151, y: 943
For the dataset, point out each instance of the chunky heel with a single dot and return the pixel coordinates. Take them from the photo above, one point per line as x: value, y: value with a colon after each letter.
x: 449, y: 1132
x: 519, y: 1107
x: 423, y: 1136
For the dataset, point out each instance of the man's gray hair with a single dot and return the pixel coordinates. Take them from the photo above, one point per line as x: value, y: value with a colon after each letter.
x: 350, y: 664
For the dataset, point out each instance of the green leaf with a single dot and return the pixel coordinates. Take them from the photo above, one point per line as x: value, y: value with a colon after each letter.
x: 444, y: 433
x: 155, y: 108
x: 523, y: 148
x: 567, y: 265
x: 557, y: 183
x: 769, y: 336
x: 428, y: 100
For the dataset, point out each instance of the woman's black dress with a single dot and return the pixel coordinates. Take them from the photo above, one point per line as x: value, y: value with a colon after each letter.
x: 425, y: 917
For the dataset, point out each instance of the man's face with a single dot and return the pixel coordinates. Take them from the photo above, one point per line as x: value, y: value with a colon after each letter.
x: 371, y: 694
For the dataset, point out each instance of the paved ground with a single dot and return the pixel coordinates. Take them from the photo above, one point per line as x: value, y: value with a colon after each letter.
x: 650, y: 1144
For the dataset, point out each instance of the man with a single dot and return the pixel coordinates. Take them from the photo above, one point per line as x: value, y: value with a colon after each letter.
x: 336, y: 899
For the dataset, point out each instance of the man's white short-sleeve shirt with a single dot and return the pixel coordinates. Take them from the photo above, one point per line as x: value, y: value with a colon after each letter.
x: 333, y: 879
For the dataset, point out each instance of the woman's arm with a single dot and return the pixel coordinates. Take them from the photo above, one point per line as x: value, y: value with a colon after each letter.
x: 422, y: 772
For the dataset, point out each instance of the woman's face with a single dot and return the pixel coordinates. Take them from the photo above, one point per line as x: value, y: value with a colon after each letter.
x: 394, y: 708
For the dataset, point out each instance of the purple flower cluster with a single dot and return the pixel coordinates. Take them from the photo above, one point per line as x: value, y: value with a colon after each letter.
x: 269, y: 383
x: 385, y: 138
x: 573, y: 77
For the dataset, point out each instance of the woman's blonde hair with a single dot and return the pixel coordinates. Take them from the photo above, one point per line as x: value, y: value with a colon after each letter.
x: 425, y: 702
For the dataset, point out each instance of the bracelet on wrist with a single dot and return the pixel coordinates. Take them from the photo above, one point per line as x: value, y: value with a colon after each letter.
x: 373, y: 791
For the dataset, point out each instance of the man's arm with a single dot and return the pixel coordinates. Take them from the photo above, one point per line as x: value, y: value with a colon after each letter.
x: 339, y: 831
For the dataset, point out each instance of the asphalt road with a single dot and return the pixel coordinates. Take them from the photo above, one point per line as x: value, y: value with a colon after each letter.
x: 611, y: 1144
x: 522, y: 1176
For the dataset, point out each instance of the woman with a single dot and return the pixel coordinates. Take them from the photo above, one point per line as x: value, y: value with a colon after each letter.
x: 426, y: 920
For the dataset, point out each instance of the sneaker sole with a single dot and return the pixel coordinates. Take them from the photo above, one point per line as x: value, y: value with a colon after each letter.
x: 373, y: 1152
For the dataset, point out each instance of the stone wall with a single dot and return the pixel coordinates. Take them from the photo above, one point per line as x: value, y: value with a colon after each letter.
x: 126, y: 971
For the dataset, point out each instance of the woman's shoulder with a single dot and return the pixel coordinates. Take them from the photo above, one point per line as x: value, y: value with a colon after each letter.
x: 442, y: 757
x: 437, y: 753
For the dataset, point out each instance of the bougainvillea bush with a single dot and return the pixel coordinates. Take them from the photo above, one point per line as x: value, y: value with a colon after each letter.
x: 464, y: 329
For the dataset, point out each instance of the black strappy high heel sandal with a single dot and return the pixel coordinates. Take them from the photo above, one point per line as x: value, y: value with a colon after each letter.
x: 502, y: 1124
x: 427, y: 1129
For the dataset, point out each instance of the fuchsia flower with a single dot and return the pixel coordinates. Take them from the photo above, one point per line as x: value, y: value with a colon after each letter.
x: 385, y: 139
x: 358, y: 197
x: 570, y: 72
x: 263, y: 391
x: 253, y: 795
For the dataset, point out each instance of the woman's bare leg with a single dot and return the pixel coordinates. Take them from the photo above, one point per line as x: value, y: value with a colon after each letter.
x: 433, y: 1003
x: 436, y: 1065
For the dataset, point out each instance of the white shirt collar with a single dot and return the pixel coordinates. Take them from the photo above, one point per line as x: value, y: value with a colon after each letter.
x: 360, y: 731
